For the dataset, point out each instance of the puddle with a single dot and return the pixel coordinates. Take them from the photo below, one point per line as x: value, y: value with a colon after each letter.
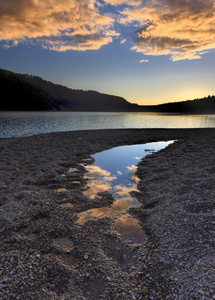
x: 129, y: 229
x: 114, y: 171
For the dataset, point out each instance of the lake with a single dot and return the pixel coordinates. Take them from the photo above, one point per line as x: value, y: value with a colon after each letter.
x: 18, y: 124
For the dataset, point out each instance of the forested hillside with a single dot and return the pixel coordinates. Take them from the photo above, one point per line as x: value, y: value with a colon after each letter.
x: 197, y: 106
x: 24, y: 92
x: 21, y: 92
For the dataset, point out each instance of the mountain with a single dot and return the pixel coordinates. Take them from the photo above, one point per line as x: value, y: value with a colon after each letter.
x: 21, y: 92
x: 32, y: 93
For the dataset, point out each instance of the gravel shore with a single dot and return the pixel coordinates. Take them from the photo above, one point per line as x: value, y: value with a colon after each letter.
x: 45, y: 254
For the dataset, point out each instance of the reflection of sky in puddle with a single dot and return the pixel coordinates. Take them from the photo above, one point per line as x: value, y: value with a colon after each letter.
x: 129, y: 229
x: 114, y: 171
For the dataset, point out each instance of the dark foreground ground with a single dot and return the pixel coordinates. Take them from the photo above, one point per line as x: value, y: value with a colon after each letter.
x: 46, y: 255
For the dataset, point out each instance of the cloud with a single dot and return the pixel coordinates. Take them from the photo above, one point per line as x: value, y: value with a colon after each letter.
x: 143, y: 61
x: 119, y: 2
x: 183, y: 29
x: 57, y: 25
x: 123, y: 41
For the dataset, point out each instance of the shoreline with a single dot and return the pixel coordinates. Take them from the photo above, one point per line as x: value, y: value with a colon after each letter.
x: 45, y: 255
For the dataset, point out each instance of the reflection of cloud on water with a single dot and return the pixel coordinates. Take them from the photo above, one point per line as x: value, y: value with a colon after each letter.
x: 96, y: 187
x: 135, y: 179
x: 99, y: 181
x: 95, y: 213
x: 97, y: 171
x: 132, y: 169
x: 123, y: 191
x: 130, y: 229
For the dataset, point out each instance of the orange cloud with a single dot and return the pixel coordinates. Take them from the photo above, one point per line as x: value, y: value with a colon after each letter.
x: 183, y: 29
x: 57, y: 25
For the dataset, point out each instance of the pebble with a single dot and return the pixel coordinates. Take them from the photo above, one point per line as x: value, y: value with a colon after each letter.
x: 32, y: 271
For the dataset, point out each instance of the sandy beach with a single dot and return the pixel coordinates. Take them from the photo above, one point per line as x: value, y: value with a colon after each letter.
x: 45, y: 254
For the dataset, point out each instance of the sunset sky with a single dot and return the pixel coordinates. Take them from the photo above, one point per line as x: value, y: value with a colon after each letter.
x: 149, y: 51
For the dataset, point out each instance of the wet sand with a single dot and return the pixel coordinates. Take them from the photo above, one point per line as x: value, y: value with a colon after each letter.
x: 45, y: 254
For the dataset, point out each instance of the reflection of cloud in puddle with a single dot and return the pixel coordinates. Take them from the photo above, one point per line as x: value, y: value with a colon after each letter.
x: 130, y: 229
x: 100, y: 181
x: 117, y: 207
x: 132, y: 169
x: 96, y: 187
x: 135, y: 179
x: 123, y: 191
x: 97, y: 171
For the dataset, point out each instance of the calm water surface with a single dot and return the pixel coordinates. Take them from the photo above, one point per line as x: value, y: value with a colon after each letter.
x: 114, y: 172
x: 17, y: 124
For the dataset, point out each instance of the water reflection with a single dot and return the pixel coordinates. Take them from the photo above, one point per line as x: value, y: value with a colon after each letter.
x: 117, y: 207
x: 129, y: 229
x: 114, y: 171
x: 99, y: 181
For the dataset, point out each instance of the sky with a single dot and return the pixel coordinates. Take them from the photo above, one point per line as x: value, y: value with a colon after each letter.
x: 147, y: 51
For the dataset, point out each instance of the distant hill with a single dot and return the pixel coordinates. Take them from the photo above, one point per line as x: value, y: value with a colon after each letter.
x: 197, y: 106
x: 32, y: 93
x: 21, y: 92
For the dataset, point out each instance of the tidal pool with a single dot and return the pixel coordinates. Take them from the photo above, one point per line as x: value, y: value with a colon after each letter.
x: 114, y: 171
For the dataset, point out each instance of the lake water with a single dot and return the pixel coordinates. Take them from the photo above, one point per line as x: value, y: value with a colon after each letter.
x: 17, y: 124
